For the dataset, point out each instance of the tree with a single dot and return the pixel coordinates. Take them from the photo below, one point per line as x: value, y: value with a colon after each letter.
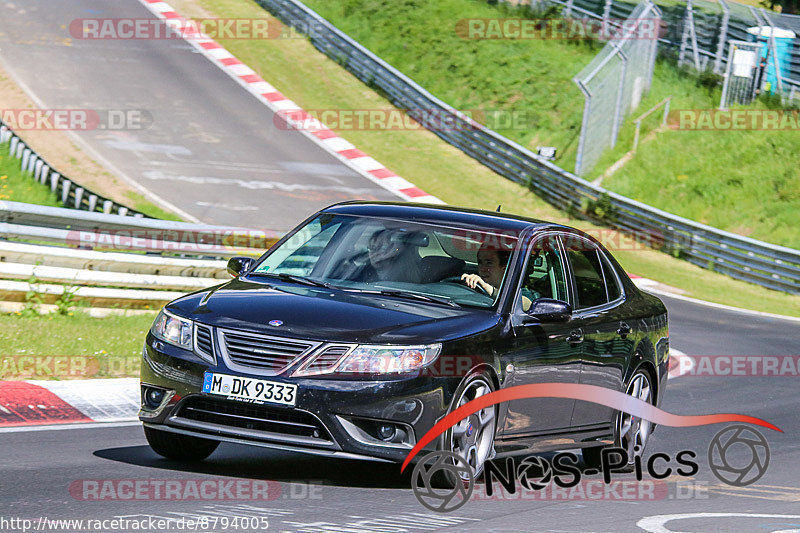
x: 788, y: 7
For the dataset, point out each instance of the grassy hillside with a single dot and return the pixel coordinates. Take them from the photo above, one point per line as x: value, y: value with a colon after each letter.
x: 744, y: 181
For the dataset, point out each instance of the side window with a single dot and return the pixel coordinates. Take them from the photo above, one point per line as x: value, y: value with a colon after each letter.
x: 612, y: 286
x: 544, y: 275
x: 589, y: 282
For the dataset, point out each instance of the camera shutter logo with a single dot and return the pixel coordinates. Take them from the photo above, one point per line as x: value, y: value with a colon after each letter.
x: 738, y: 455
x: 534, y: 473
x: 442, y: 468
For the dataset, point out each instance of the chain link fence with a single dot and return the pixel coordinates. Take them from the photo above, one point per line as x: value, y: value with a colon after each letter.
x: 699, y: 33
x: 743, y: 75
x: 740, y: 257
x: 614, y: 82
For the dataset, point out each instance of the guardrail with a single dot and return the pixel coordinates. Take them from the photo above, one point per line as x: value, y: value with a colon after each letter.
x: 162, y: 260
x: 765, y: 264
x: 68, y: 192
x: 117, y: 232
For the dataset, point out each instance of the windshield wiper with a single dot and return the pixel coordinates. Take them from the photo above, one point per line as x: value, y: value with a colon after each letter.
x: 406, y: 294
x: 296, y: 279
x: 305, y: 281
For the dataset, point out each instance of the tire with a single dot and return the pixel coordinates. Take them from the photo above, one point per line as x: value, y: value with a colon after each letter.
x: 179, y: 447
x: 473, y: 437
x: 629, y: 431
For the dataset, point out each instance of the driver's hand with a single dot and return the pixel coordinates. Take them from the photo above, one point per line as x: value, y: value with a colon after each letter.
x: 473, y: 280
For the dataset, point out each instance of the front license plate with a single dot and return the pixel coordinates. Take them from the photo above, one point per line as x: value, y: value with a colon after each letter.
x: 248, y: 389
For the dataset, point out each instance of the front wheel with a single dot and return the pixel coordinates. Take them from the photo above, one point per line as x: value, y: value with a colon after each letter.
x: 473, y: 437
x: 179, y: 447
x: 630, y: 432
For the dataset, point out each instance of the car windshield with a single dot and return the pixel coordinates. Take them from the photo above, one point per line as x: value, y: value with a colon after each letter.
x: 424, y: 262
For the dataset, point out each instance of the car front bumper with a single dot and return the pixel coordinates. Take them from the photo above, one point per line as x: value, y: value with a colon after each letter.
x: 329, y: 418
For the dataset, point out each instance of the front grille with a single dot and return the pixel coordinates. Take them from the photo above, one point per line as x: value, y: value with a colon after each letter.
x: 253, y: 417
x: 263, y: 352
x: 327, y: 359
x: 204, y: 343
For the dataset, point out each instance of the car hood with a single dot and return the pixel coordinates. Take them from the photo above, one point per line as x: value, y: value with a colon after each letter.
x: 329, y: 315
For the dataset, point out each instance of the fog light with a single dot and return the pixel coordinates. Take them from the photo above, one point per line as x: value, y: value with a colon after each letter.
x: 153, y: 397
x: 386, y: 432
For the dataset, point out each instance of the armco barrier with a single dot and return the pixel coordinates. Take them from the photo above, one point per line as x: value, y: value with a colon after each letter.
x: 107, y: 279
x: 768, y: 265
x: 69, y: 193
x: 98, y: 230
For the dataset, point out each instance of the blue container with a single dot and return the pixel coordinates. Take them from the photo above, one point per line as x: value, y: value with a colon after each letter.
x: 784, y: 39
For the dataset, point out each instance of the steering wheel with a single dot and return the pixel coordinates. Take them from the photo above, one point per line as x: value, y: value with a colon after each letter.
x: 457, y: 280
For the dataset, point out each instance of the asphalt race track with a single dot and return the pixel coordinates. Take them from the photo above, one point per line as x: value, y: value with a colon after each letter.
x: 205, y: 146
x: 40, y: 466
x: 213, y: 150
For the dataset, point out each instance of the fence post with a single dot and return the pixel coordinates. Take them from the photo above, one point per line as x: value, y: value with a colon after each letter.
x: 688, y: 34
x: 568, y: 10
x: 773, y: 51
x: 587, y: 107
x: 620, y: 103
x: 607, y: 11
x: 723, y: 36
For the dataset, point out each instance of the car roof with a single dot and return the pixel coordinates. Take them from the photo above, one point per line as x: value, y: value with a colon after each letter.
x: 442, y: 214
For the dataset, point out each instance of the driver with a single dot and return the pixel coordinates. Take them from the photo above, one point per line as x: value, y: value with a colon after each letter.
x: 491, y: 266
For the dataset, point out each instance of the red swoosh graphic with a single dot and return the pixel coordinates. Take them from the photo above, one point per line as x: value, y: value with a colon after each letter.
x: 588, y: 393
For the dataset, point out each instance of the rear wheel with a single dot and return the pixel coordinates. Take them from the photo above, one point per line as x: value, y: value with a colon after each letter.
x: 630, y: 432
x: 179, y: 447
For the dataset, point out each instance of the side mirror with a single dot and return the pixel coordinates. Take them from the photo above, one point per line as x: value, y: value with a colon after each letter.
x: 549, y: 310
x: 239, y: 265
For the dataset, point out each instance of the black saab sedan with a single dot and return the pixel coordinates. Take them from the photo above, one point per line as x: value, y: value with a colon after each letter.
x: 360, y: 329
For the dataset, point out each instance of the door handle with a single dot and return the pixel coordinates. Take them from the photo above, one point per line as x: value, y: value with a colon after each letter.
x: 575, y: 337
x: 624, y: 330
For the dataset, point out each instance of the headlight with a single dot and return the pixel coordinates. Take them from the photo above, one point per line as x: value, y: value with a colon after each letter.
x: 368, y: 359
x: 172, y: 329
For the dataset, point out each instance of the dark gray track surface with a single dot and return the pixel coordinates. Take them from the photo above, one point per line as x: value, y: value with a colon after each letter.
x: 39, y: 466
x: 212, y: 150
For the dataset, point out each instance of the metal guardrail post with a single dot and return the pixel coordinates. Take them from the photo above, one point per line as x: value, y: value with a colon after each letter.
x: 33, y: 164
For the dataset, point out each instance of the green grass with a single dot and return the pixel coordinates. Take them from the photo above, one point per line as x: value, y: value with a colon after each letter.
x: 110, y: 346
x: 19, y: 187
x: 747, y: 182
x: 143, y: 205
x: 313, y: 81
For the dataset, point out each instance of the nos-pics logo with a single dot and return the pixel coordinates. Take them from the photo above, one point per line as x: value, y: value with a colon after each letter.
x: 443, y: 481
